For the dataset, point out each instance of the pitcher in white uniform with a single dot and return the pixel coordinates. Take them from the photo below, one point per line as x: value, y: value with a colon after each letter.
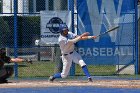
x: 67, y: 42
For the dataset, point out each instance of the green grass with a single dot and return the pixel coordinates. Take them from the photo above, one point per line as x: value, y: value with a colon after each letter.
x: 37, y: 69
x: 97, y: 70
x: 43, y: 69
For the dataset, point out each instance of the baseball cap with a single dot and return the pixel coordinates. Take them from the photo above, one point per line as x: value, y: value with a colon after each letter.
x: 63, y: 27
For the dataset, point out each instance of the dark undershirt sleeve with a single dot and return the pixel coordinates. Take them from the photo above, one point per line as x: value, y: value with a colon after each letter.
x: 6, y: 59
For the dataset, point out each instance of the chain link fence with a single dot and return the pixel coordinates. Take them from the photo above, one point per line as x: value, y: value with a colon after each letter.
x: 46, y: 59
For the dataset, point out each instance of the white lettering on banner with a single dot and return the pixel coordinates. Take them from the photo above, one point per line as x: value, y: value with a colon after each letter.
x: 102, y: 52
x: 49, y: 36
x: 105, y: 51
x: 52, y: 25
x: 117, y: 52
x: 109, y: 52
x: 88, y: 52
x: 95, y: 52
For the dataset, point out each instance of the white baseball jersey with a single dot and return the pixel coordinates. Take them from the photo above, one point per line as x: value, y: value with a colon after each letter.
x: 65, y: 45
x: 71, y: 55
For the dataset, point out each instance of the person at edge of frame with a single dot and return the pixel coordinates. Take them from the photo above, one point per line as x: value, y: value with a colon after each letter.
x: 66, y: 42
x: 138, y: 2
x: 6, y: 71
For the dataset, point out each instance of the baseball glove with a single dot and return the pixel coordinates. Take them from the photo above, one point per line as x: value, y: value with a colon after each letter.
x: 28, y: 60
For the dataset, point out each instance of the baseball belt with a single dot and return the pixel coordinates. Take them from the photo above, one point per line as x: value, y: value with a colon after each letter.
x: 68, y: 53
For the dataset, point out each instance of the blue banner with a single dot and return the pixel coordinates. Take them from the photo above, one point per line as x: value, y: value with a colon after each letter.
x: 98, y: 16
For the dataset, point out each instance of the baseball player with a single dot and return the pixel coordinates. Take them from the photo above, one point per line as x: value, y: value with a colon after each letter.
x: 66, y: 42
x: 5, y: 71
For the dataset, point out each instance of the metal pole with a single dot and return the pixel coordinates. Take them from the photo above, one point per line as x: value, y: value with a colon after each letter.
x: 57, y: 5
x: 47, y: 5
x: 71, y: 8
x: 15, y: 37
x: 136, y: 37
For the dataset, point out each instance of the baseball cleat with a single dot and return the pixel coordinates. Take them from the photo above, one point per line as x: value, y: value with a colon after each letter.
x: 90, y: 80
x: 51, y: 78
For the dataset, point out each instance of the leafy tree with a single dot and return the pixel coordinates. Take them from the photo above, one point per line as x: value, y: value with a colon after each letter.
x: 4, y: 31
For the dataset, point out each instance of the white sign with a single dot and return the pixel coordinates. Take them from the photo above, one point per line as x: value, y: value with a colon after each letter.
x: 50, y: 21
x: 7, y: 6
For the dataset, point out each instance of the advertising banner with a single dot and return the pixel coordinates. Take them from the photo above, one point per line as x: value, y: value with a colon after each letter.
x: 98, y: 16
x: 50, y: 21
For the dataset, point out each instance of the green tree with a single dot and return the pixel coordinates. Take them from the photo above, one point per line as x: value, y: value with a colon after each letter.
x: 4, y: 31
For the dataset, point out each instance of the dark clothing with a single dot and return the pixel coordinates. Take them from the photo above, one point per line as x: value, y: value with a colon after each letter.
x: 4, y: 60
x: 5, y: 72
